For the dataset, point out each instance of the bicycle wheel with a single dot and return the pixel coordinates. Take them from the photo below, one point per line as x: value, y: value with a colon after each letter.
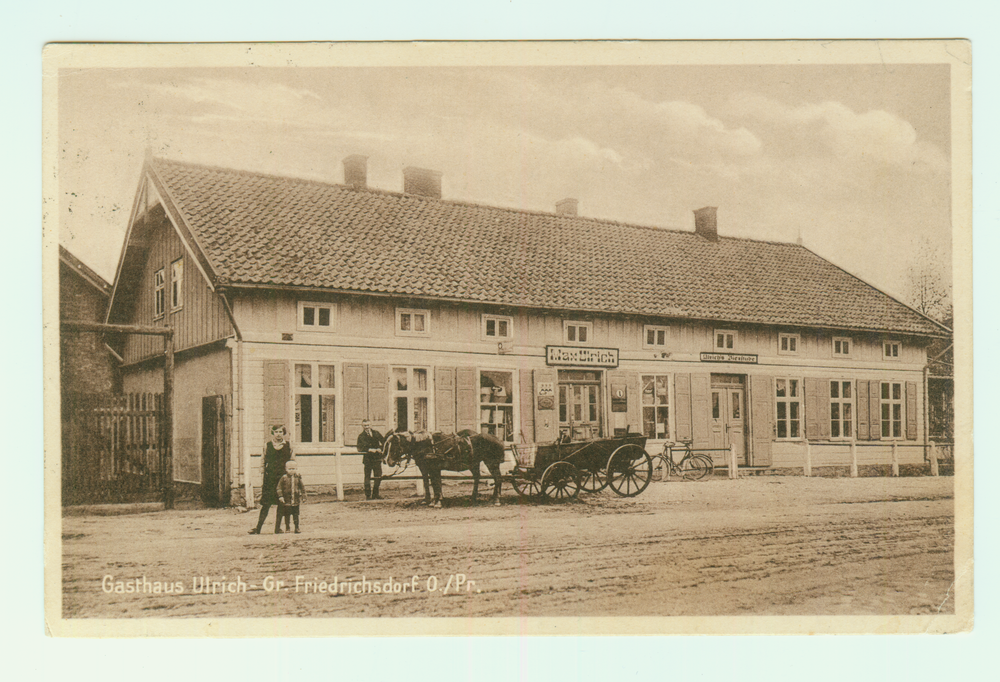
x: 661, y: 468
x: 696, y: 467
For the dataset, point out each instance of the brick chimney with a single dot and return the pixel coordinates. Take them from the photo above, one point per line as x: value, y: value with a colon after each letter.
x: 422, y: 182
x: 566, y: 207
x: 705, y: 224
x: 356, y: 171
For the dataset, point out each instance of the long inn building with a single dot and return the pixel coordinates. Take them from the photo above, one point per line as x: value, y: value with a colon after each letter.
x: 318, y: 305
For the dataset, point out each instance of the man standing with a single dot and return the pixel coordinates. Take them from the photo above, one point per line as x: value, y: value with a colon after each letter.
x: 370, y: 445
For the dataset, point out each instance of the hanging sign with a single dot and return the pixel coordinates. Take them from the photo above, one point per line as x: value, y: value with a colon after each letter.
x: 581, y: 357
x: 740, y: 358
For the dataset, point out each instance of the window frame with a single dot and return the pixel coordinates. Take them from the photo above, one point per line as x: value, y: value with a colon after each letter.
x: 723, y: 348
x: 669, y: 405
x: 841, y: 402
x: 799, y: 399
x: 850, y: 346
x: 409, y: 394
x: 315, y: 391
x: 176, y: 295
x: 793, y: 339
x: 890, y: 401
x: 656, y: 329
x: 578, y: 324
x: 159, y: 293
x: 892, y: 343
x: 512, y: 405
x: 488, y: 317
x: 300, y: 323
x: 410, y: 332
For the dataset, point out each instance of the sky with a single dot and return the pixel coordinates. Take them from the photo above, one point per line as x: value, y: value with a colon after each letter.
x: 852, y: 159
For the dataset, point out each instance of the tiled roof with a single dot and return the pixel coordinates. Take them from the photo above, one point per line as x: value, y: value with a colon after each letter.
x: 262, y: 229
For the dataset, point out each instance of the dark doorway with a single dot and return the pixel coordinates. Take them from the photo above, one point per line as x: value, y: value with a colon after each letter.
x: 214, y: 482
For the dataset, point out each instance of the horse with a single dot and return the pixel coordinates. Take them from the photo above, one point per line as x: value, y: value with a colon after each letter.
x: 434, y: 452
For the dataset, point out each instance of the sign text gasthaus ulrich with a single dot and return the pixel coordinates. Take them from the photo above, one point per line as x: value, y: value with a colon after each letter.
x: 742, y: 358
x: 584, y: 357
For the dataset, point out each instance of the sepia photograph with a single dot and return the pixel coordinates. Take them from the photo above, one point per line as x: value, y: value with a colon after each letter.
x: 508, y: 338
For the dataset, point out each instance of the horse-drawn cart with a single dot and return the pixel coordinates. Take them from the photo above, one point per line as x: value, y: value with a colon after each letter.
x: 558, y: 471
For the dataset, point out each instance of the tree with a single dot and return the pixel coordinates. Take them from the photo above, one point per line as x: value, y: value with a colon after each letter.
x: 930, y: 283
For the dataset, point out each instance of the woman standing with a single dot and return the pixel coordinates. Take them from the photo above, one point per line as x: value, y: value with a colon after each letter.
x: 277, y: 452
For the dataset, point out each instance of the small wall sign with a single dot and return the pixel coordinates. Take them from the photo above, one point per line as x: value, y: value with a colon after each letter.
x: 740, y: 358
x: 581, y: 357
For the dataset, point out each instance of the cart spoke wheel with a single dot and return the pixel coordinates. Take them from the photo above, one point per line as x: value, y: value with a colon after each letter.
x: 593, y: 481
x: 696, y: 468
x: 630, y: 470
x: 561, y: 482
x: 528, y: 488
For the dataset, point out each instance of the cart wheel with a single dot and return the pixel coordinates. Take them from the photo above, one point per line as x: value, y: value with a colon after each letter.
x: 630, y: 469
x: 593, y: 481
x: 561, y: 482
x: 528, y: 488
x: 696, y: 468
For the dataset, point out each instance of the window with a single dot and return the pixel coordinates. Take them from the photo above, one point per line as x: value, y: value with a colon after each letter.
x: 725, y: 339
x: 411, y: 322
x: 177, y: 284
x: 788, y: 344
x: 890, y: 350
x: 788, y: 407
x: 410, y: 398
x: 656, y: 405
x: 496, y: 404
x: 498, y: 327
x: 315, y: 316
x: 159, y: 293
x: 654, y: 336
x: 315, y: 402
x: 577, y: 332
x: 892, y: 409
x: 841, y: 409
x: 841, y: 347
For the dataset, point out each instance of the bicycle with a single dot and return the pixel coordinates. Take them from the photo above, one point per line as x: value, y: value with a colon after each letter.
x: 691, y: 467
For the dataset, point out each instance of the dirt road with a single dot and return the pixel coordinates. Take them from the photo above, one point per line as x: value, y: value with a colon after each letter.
x: 763, y: 545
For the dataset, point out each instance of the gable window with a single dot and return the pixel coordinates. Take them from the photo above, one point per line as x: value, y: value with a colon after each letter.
x: 577, y: 332
x: 413, y: 322
x: 892, y: 409
x: 315, y: 402
x: 841, y: 346
x: 159, y: 293
x: 788, y: 407
x: 841, y: 409
x: 890, y: 350
x: 788, y: 344
x: 410, y: 399
x: 656, y: 405
x: 498, y: 327
x: 177, y: 284
x: 725, y: 339
x: 654, y: 336
x: 315, y: 316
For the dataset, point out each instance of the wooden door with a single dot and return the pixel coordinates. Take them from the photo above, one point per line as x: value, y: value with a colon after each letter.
x: 214, y: 483
x: 728, y: 423
x: 580, y: 410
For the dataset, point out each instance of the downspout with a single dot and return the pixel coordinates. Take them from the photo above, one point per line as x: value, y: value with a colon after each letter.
x: 927, y: 415
x: 237, y: 383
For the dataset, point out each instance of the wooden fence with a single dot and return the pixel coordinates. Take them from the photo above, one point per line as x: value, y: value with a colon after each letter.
x: 113, y: 447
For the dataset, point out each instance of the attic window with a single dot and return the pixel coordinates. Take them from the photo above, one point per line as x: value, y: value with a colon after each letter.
x: 890, y: 350
x: 725, y: 339
x: 159, y: 293
x: 316, y: 316
x: 177, y: 284
x: 654, y: 336
x: 579, y: 333
x: 410, y: 322
x: 788, y: 344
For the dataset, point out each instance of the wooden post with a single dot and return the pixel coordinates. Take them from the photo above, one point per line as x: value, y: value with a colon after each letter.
x: 732, y: 461
x: 854, y: 459
x: 340, y: 477
x: 895, y: 460
x: 934, y: 459
x: 807, y: 470
x: 168, y: 421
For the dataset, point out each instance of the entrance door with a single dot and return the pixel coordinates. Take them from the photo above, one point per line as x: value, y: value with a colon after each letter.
x: 214, y: 483
x: 728, y: 423
x: 579, y: 405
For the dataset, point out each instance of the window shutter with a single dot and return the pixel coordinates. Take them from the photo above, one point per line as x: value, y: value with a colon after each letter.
x: 467, y: 399
x: 378, y: 398
x: 761, y: 399
x: 817, y: 408
x: 861, y: 398
x: 276, y: 396
x: 526, y: 430
x: 701, y: 417
x: 546, y: 420
x: 355, y: 400
x: 911, y: 410
x: 444, y: 399
x: 682, y: 396
x: 634, y: 402
x: 874, y: 411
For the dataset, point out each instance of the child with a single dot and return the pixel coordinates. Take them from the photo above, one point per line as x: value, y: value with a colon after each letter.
x: 276, y: 453
x: 291, y: 492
